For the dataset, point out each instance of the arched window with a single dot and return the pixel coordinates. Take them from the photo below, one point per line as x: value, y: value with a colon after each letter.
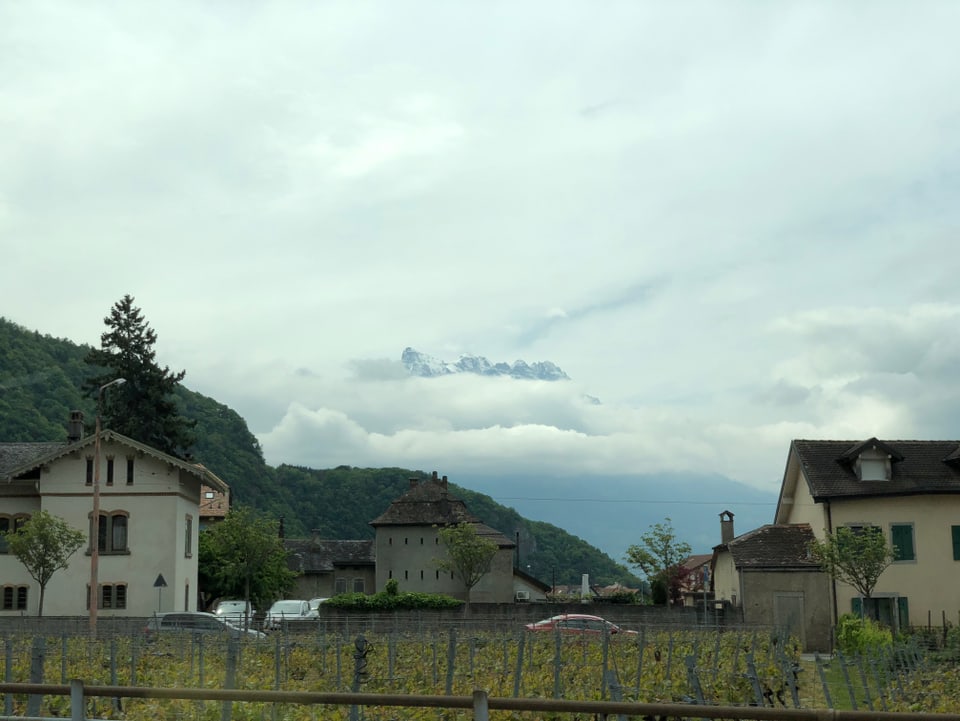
x: 113, y: 532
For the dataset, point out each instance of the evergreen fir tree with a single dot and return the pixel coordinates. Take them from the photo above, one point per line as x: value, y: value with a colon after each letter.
x: 144, y: 408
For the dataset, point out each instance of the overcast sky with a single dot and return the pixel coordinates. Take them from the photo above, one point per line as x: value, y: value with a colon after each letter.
x: 734, y: 224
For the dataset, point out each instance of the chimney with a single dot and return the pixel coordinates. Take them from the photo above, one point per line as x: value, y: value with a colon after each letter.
x: 443, y: 482
x: 413, y: 483
x: 75, y: 427
x: 434, y: 476
x: 726, y: 527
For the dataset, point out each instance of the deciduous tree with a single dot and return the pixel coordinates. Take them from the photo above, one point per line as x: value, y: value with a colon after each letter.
x: 855, y: 557
x: 44, y: 545
x: 243, y: 557
x: 660, y: 555
x: 469, y: 555
x: 144, y: 408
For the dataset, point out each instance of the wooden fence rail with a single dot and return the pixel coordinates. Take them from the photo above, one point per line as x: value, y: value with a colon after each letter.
x: 480, y: 702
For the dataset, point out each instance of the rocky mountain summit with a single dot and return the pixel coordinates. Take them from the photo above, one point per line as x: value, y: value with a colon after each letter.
x: 419, y: 364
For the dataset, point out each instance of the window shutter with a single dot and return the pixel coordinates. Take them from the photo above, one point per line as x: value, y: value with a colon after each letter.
x: 955, y: 530
x: 903, y: 612
x: 902, y: 537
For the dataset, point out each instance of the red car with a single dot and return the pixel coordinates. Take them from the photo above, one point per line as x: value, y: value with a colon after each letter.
x: 576, y: 623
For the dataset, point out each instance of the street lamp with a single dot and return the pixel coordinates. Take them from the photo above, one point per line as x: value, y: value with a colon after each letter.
x: 95, y: 526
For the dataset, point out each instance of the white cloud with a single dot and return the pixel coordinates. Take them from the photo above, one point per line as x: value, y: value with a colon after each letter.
x: 732, y: 226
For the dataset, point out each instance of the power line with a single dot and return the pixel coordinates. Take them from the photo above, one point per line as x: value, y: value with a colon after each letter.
x: 637, y: 500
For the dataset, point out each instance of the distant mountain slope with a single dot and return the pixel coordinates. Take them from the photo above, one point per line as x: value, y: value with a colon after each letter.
x: 420, y: 364
x: 40, y: 382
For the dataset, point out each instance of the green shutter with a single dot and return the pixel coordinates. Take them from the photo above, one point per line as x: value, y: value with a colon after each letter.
x: 955, y: 531
x: 903, y: 611
x: 856, y: 606
x: 901, y: 537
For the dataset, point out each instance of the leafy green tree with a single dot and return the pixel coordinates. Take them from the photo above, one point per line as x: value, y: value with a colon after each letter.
x: 243, y: 557
x: 660, y: 555
x: 144, y: 408
x: 855, y: 557
x: 44, y: 545
x: 469, y: 555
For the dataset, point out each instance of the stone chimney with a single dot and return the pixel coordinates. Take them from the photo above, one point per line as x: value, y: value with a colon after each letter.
x: 726, y: 527
x: 75, y: 427
x: 413, y: 483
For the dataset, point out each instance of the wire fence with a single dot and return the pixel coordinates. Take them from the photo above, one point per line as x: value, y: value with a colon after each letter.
x: 663, y: 664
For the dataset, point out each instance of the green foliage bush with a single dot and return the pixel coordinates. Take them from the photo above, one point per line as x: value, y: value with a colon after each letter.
x: 392, y: 600
x: 861, y: 636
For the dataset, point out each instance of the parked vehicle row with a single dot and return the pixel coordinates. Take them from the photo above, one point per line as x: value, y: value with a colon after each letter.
x: 196, y: 622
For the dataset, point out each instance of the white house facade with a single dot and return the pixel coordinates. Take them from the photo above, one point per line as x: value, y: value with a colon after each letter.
x: 149, y: 523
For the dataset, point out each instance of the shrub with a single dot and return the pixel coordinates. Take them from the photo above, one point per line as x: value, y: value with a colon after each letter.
x: 391, y: 599
x: 861, y: 636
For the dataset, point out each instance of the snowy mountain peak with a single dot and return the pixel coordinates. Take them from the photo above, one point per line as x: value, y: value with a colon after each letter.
x: 419, y: 364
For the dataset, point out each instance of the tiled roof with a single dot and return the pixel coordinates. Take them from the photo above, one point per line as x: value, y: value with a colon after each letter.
x: 427, y: 503
x: 774, y: 546
x: 317, y: 555
x: 917, y: 467
x: 697, y: 560
x: 15, y: 456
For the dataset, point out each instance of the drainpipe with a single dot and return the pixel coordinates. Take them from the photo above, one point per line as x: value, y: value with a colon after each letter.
x: 833, y: 581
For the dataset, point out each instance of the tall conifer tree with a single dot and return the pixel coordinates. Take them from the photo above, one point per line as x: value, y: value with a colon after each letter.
x: 144, y: 408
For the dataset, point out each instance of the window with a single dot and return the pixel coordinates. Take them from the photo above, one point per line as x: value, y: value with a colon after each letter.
x: 357, y: 585
x: 954, y: 532
x: 406, y: 575
x: 112, y: 532
x: 89, y: 470
x: 340, y: 586
x: 14, y: 598
x: 113, y: 596
x: 129, y: 470
x: 109, y: 470
x: 188, y: 538
x: 10, y: 523
x: 901, y: 538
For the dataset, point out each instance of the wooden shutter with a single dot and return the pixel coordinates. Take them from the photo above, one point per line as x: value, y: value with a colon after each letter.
x: 903, y: 612
x: 955, y: 531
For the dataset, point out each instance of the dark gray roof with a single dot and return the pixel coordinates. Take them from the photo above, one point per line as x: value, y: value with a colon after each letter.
x: 917, y: 467
x: 428, y: 503
x: 318, y: 555
x: 15, y: 456
x: 774, y: 547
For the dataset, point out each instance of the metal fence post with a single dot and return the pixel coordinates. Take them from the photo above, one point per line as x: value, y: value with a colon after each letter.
x: 77, y: 710
x: 481, y: 708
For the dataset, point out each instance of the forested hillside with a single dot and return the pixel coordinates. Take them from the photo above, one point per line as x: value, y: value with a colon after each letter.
x: 40, y: 383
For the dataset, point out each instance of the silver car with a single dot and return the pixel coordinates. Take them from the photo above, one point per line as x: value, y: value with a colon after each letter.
x: 239, y: 613
x: 287, y: 610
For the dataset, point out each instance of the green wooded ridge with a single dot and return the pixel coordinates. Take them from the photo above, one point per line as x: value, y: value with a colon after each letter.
x: 41, y: 381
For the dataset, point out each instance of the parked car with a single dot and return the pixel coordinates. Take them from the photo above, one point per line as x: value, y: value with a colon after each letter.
x: 195, y: 622
x: 239, y: 613
x: 577, y: 623
x: 315, y: 605
x: 287, y: 610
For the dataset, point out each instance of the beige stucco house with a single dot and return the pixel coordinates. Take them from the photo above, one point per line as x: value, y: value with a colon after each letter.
x: 149, y: 523
x: 407, y: 545
x: 910, y: 490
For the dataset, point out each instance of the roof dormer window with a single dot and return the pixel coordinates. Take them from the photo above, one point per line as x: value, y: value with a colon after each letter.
x: 873, y: 465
